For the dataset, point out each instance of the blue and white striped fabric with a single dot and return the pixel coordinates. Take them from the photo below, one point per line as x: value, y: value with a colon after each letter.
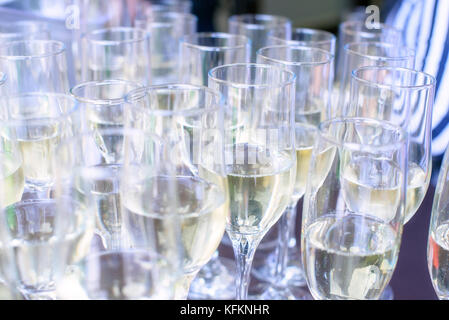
x: 425, y: 24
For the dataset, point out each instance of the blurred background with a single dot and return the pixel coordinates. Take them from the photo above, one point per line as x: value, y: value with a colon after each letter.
x: 411, y: 279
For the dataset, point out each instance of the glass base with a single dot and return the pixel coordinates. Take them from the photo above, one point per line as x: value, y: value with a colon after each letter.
x: 294, y: 274
x: 269, y: 291
x: 215, y: 281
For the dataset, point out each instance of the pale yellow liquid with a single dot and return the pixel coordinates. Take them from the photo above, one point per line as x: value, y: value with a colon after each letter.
x: 11, y: 180
x: 200, y: 209
x: 37, y: 155
x: 416, y: 190
x: 303, y: 156
x: 259, y: 192
x: 349, y: 257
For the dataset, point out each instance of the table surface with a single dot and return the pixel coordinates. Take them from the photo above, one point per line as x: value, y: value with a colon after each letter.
x: 411, y: 279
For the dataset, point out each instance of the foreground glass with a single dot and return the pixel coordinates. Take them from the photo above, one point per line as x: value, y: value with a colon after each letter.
x: 166, y: 30
x: 34, y: 66
x: 438, y: 244
x: 36, y: 123
x: 258, y: 28
x: 200, y: 52
x: 186, y: 183
x: 259, y: 151
x: 306, y: 37
x: 362, y: 54
x: 404, y: 97
x: 124, y: 274
x: 117, y: 53
x: 354, y: 208
x: 358, y: 31
x: 314, y: 70
x: 40, y: 237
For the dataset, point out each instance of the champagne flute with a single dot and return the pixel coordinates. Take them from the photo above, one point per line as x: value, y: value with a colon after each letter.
x: 437, y: 246
x: 361, y: 54
x: 105, y: 274
x: 167, y: 30
x: 354, y: 208
x: 258, y: 28
x: 314, y: 75
x: 36, y: 123
x: 117, y: 53
x: 358, y: 31
x: 201, y: 52
x: 404, y: 97
x: 259, y: 151
x: 34, y: 66
x: 187, y: 183
x: 40, y: 237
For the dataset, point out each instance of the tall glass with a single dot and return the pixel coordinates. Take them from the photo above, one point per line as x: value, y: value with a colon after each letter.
x: 437, y: 246
x: 104, y: 108
x: 354, y: 208
x: 259, y: 153
x: 357, y: 31
x: 187, y: 182
x: 200, y: 52
x: 306, y: 37
x: 258, y: 28
x: 36, y: 123
x: 34, y: 66
x: 403, y: 97
x: 362, y: 54
x: 314, y: 76
x: 166, y: 30
x: 117, y: 53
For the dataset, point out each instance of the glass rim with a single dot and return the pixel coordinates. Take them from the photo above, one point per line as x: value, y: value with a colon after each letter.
x: 144, y: 36
x: 401, y: 143
x: 174, y: 16
x: 101, y: 83
x: 277, y: 19
x: 332, y: 38
x: 328, y: 60
x: 240, y: 85
x: 42, y: 26
x: 3, y: 78
x: 408, y: 52
x: 140, y: 93
x: 347, y: 25
x: 60, y: 96
x: 60, y: 49
x: 430, y: 84
x: 243, y: 41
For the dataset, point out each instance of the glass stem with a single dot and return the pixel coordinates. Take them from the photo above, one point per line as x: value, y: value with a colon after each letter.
x: 244, y: 250
x: 283, y: 243
x: 183, y: 285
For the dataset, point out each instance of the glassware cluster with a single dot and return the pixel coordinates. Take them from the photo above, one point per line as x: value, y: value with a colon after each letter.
x: 121, y: 181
